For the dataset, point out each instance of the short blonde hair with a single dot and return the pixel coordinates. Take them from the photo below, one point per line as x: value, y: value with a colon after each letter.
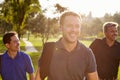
x: 68, y: 13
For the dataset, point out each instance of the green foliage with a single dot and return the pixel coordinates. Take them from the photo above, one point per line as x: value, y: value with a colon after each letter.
x: 86, y: 42
x: 60, y: 8
x: 35, y: 57
x: 22, y: 45
x: 2, y: 47
x: 16, y: 12
x: 37, y: 43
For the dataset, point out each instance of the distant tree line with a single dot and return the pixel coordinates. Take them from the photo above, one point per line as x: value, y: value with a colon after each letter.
x: 92, y: 26
x: 27, y: 16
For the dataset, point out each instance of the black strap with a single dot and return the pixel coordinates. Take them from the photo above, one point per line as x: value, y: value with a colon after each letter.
x: 46, y: 59
x: 0, y: 62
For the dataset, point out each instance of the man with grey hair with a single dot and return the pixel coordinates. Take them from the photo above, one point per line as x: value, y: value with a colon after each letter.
x: 107, y: 52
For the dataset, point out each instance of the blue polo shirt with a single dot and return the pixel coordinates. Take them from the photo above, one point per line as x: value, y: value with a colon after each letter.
x: 15, y: 69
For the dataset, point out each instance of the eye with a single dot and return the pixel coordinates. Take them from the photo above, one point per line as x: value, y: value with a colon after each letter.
x: 16, y: 41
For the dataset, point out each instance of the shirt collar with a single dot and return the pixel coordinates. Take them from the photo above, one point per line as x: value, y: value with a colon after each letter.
x: 115, y: 43
x: 7, y: 56
x: 60, y: 45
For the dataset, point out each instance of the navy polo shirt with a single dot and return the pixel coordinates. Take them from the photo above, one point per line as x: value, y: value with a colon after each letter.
x: 72, y: 65
x: 15, y: 69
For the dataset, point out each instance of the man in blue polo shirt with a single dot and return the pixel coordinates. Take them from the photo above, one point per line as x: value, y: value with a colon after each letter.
x: 15, y: 63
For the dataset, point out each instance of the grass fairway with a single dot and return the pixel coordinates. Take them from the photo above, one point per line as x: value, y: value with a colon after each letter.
x: 86, y: 42
x: 38, y: 45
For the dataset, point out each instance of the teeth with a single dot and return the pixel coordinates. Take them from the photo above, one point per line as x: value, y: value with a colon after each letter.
x: 72, y: 34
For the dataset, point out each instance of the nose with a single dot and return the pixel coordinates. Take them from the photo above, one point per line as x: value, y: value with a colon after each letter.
x: 116, y: 33
x: 74, y: 28
x: 18, y: 42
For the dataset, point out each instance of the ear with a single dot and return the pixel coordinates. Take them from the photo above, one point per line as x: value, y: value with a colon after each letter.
x: 7, y: 45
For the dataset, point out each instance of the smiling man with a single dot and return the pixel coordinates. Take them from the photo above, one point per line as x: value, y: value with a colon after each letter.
x: 107, y: 52
x: 71, y: 60
x: 14, y: 63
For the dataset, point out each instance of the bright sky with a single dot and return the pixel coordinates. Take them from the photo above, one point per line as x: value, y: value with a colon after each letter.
x: 97, y: 7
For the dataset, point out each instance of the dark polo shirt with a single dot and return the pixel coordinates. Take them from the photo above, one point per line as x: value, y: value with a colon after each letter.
x: 107, y: 58
x: 72, y: 65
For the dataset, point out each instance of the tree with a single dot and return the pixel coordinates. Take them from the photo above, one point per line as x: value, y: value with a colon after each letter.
x: 59, y: 8
x: 38, y: 25
x: 107, y: 17
x: 116, y: 17
x: 16, y: 11
x: 96, y: 26
x: 43, y: 27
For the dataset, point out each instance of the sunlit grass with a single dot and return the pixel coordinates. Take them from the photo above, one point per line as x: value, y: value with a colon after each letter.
x: 38, y: 45
x: 22, y: 45
x: 86, y: 42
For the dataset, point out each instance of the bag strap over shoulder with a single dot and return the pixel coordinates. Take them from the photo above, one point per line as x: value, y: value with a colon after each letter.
x: 46, y: 59
x: 0, y: 62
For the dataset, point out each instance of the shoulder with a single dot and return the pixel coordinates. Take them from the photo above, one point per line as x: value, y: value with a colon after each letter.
x: 86, y: 51
x: 117, y: 43
x: 23, y: 54
x: 49, y: 43
x: 97, y: 40
x: 84, y: 48
x: 48, y: 46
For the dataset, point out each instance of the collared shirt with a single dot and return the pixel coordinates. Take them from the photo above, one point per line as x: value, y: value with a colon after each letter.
x: 72, y: 65
x: 107, y: 58
x: 15, y: 69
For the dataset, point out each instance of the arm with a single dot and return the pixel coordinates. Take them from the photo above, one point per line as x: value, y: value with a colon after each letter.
x: 31, y: 76
x: 92, y: 76
x: 92, y: 68
x: 37, y: 77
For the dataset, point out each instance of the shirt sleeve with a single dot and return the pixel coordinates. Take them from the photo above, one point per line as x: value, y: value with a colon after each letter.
x: 92, y: 67
x: 29, y: 65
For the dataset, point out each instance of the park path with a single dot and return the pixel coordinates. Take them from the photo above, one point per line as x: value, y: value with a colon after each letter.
x: 29, y: 47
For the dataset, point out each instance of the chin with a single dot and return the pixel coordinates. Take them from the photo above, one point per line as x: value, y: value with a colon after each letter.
x: 72, y: 41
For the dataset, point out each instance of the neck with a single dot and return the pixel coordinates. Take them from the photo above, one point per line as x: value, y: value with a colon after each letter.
x: 109, y: 42
x: 69, y: 46
x: 12, y: 54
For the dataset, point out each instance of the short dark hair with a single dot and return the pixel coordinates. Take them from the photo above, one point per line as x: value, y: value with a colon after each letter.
x: 68, y: 13
x: 7, y: 36
x: 106, y: 25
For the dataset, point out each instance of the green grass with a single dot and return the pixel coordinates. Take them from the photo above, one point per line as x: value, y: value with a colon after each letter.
x: 22, y: 45
x: 2, y: 47
x: 38, y: 45
x: 35, y: 57
x: 86, y: 42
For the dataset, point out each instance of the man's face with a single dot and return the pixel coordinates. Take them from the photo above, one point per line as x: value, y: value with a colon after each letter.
x: 14, y: 44
x: 71, y: 28
x: 111, y: 33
